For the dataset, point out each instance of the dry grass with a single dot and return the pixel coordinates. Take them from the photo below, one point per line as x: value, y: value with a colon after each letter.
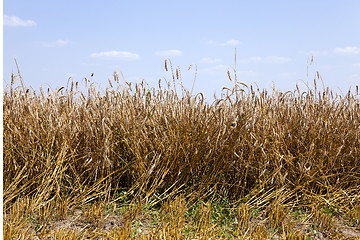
x: 162, y: 163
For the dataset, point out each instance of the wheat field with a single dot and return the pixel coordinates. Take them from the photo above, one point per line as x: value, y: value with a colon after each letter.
x: 140, y: 162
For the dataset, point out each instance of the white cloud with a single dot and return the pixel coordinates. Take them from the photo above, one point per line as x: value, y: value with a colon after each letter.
x: 169, y: 53
x: 347, y: 51
x: 210, y: 60
x: 354, y: 77
x: 357, y: 65
x: 252, y: 59
x: 219, y: 70
x: 127, y: 56
x: 317, y: 53
x: 13, y: 21
x: 268, y: 59
x: 276, y: 59
x: 287, y: 75
x: 231, y: 42
x: 57, y: 43
x: 71, y: 75
x: 221, y: 67
x: 247, y: 73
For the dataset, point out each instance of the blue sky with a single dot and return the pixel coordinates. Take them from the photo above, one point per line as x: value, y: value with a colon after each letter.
x: 274, y: 41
